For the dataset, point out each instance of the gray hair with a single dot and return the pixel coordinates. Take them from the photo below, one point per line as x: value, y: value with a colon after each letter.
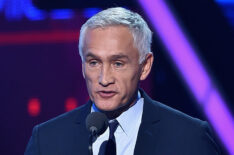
x: 141, y: 33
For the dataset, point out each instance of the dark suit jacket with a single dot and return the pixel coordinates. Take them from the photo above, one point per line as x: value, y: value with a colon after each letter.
x: 163, y: 131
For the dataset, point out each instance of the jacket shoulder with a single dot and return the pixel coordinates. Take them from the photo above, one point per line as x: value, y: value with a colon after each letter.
x: 185, y: 132
x: 173, y: 115
x: 66, y: 118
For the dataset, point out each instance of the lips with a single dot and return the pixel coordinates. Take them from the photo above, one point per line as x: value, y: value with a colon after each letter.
x: 106, y: 94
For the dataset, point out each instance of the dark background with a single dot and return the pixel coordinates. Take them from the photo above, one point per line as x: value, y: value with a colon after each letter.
x: 38, y: 62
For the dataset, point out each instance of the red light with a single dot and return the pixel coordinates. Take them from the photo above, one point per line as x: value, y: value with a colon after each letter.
x: 32, y: 37
x: 70, y: 104
x: 34, y: 107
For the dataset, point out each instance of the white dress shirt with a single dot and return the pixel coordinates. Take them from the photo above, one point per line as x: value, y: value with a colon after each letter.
x: 126, y: 133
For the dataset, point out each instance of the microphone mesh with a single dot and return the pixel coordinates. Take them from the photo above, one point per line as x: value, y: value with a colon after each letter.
x: 97, y: 120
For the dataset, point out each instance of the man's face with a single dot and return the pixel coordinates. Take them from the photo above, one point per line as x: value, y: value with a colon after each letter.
x: 111, y: 67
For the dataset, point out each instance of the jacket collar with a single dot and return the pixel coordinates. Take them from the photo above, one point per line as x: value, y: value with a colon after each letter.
x: 150, y: 110
x: 149, y: 129
x: 82, y: 112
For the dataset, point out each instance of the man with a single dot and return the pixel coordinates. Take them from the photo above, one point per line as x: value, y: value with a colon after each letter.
x: 114, y: 46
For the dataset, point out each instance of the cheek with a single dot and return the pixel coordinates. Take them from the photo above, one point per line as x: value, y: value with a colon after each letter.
x: 129, y: 80
x: 91, y: 84
x: 91, y: 75
x: 91, y: 79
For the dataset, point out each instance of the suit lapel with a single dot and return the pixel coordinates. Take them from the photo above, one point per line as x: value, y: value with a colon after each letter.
x: 148, y: 132
x: 147, y: 136
x: 81, y: 133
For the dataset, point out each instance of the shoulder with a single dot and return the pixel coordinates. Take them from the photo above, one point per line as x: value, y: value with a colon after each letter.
x: 179, y: 130
x: 168, y: 115
x: 175, y: 116
x: 192, y: 133
x: 66, y: 119
x: 171, y: 118
x: 56, y: 136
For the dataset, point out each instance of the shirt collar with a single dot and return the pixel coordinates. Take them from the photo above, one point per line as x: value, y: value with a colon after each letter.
x: 128, y: 119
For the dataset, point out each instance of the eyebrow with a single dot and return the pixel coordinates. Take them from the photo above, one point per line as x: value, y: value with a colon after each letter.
x: 91, y: 55
x: 112, y: 57
x: 119, y: 56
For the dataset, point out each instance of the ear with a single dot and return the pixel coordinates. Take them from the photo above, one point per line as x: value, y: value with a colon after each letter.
x: 146, y: 66
x: 83, y: 70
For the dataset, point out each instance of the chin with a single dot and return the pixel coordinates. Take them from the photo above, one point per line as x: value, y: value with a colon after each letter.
x: 102, y: 106
x: 107, y: 108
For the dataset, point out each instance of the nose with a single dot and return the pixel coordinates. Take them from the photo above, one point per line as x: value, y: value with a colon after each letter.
x: 106, y: 76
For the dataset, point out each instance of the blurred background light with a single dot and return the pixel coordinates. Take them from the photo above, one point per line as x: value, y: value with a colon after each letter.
x: 61, y: 13
x: 191, y: 68
x: 34, y: 107
x: 70, y: 104
x: 89, y: 12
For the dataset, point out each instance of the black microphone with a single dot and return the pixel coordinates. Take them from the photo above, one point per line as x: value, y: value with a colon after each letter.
x: 96, y: 124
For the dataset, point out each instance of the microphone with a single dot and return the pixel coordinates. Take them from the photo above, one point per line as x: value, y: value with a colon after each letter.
x: 96, y: 124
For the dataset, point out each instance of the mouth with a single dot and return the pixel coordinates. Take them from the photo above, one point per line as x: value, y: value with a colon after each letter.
x: 106, y: 94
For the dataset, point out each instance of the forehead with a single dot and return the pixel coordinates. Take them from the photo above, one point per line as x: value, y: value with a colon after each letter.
x: 110, y: 40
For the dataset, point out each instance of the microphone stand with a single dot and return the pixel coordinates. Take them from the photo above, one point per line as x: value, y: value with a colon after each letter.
x: 91, y: 140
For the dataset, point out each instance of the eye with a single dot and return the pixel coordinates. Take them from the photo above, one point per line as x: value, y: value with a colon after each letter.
x: 118, y: 64
x: 93, y: 63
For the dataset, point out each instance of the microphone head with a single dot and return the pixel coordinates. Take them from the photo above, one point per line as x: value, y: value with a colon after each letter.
x: 96, y: 121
